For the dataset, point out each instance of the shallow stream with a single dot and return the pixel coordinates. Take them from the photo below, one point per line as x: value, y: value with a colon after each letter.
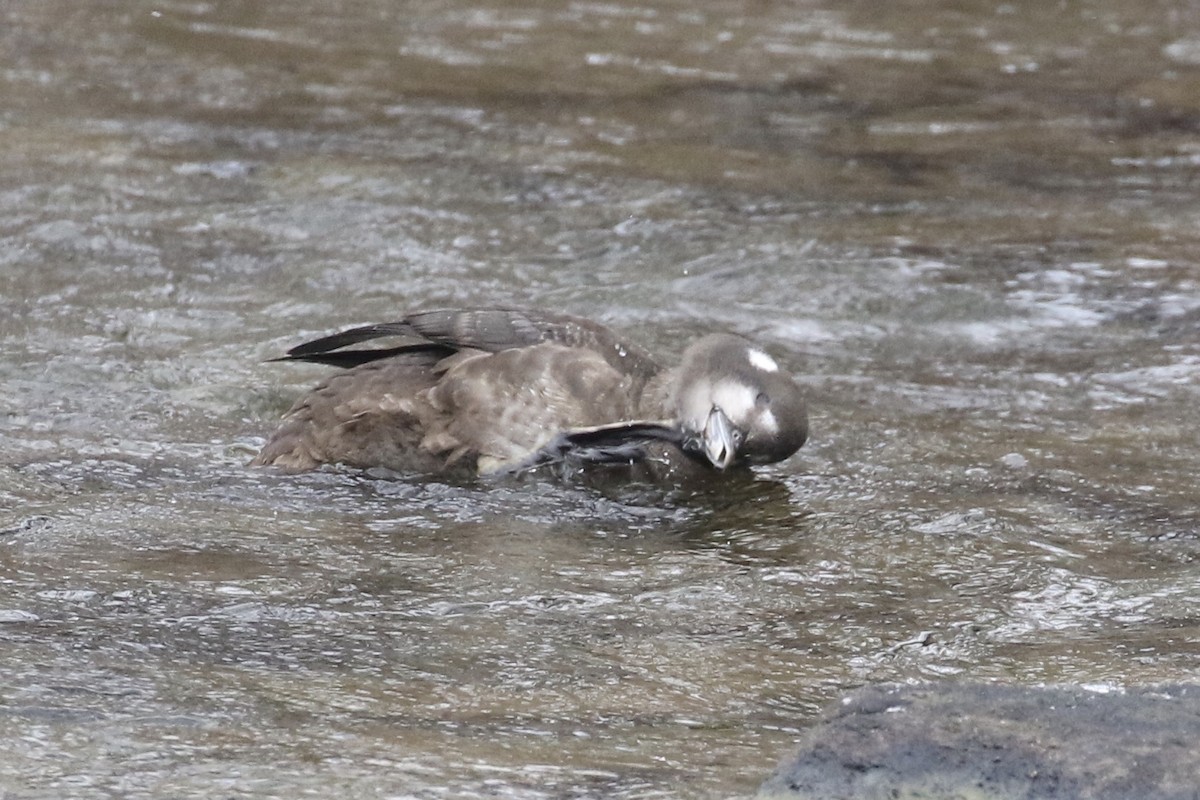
x: 971, y: 228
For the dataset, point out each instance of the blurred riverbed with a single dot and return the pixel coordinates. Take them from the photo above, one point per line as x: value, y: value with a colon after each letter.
x: 970, y: 227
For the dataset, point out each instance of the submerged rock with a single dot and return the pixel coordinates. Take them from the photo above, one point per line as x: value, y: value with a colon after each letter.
x: 975, y: 741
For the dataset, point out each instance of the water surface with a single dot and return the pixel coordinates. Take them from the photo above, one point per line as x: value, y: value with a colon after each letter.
x: 969, y: 227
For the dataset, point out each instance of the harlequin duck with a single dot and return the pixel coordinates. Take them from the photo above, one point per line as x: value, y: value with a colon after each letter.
x: 491, y: 391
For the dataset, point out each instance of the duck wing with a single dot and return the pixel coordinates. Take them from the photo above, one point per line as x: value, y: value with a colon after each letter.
x: 620, y: 442
x: 442, y: 332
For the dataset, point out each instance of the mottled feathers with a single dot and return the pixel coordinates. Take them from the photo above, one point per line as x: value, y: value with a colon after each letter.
x: 483, y: 391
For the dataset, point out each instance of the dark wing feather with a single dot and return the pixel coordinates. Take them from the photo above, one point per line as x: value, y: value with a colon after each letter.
x: 426, y: 351
x: 620, y: 442
x: 487, y: 329
x: 345, y: 338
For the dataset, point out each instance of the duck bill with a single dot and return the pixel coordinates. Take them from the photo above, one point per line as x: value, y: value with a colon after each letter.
x: 720, y: 444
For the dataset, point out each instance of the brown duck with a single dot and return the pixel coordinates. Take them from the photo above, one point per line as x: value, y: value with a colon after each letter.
x: 487, y: 391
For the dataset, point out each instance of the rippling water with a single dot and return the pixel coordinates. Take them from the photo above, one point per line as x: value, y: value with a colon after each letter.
x: 970, y: 227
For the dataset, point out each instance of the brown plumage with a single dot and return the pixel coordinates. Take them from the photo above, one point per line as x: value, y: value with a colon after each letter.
x: 486, y: 391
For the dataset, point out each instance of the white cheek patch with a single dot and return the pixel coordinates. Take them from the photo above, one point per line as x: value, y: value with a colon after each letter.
x: 697, y: 402
x: 735, y: 399
x: 761, y: 360
x: 768, y: 423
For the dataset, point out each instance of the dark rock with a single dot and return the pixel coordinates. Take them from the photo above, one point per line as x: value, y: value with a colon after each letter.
x: 973, y: 741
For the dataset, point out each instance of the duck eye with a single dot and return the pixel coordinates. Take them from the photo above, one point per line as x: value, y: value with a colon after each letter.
x: 762, y: 400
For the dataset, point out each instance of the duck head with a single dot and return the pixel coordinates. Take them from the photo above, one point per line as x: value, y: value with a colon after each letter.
x: 735, y: 406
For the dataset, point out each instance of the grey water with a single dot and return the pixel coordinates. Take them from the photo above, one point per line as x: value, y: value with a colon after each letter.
x: 970, y: 228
